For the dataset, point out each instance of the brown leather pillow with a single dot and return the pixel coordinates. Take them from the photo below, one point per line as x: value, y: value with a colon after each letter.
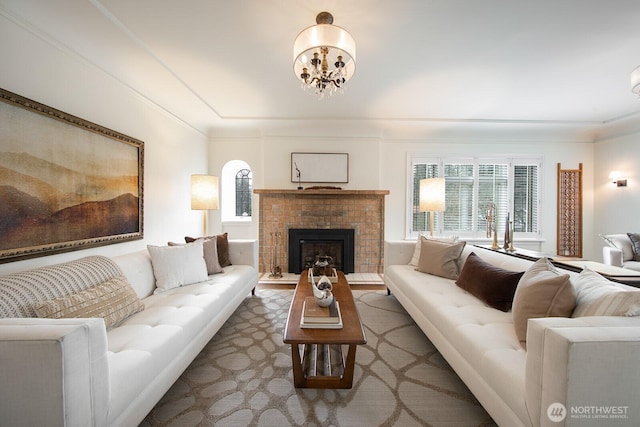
x: 222, y: 245
x: 491, y: 284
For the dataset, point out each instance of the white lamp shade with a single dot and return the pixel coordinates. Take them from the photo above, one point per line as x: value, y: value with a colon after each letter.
x: 337, y: 39
x: 204, y: 192
x: 635, y: 81
x: 615, y: 175
x: 432, y: 195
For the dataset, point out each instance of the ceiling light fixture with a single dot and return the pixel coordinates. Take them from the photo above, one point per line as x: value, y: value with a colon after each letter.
x: 319, y: 46
x: 635, y: 81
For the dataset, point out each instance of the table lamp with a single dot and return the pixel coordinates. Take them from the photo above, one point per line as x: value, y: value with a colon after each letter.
x: 432, y: 198
x: 204, y: 195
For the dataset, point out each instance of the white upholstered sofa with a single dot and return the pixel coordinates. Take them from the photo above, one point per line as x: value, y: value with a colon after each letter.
x: 75, y: 372
x: 587, y: 364
x: 619, y: 251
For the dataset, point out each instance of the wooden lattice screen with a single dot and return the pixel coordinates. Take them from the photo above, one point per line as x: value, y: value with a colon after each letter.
x: 569, y: 238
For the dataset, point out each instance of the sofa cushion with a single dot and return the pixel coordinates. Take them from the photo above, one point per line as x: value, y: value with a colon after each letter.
x: 471, y: 335
x: 542, y: 292
x: 20, y: 291
x: 415, y: 259
x: 113, y: 300
x: 598, y: 296
x: 440, y: 258
x: 491, y: 284
x: 620, y: 241
x: 634, y: 238
x: 156, y: 345
x: 175, y: 266
x: 222, y: 246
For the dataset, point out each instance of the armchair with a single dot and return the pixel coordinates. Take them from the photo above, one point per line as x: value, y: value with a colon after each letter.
x: 619, y: 251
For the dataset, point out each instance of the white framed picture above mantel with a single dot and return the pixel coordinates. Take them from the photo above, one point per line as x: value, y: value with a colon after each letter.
x: 320, y: 168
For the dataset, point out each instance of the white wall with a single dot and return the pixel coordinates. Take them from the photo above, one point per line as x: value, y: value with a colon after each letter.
x: 381, y: 164
x: 37, y: 70
x: 569, y: 154
x: 617, y: 207
x: 270, y: 162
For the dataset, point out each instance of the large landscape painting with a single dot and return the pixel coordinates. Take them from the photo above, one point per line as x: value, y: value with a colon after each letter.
x: 65, y: 183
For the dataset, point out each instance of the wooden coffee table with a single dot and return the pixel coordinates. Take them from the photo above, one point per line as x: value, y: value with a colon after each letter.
x: 317, y: 355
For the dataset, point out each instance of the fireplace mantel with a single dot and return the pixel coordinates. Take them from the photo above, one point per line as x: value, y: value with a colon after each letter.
x: 329, y: 192
x: 283, y: 209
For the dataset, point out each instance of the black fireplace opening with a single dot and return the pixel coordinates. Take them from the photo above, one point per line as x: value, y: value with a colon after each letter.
x: 306, y: 244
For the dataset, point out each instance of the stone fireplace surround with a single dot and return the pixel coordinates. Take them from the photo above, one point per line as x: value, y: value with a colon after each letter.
x: 362, y: 210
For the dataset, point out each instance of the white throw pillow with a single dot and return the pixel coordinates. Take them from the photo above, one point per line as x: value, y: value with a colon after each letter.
x: 175, y: 266
x: 415, y: 260
x: 598, y: 296
x: 620, y: 241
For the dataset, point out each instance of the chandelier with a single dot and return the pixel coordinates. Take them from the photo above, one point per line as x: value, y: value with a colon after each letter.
x: 316, y: 49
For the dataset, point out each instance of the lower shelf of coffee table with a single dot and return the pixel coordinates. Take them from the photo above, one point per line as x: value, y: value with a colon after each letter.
x: 322, y: 366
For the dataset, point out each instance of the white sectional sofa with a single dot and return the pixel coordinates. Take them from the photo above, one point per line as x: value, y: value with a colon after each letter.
x: 587, y: 364
x: 75, y: 372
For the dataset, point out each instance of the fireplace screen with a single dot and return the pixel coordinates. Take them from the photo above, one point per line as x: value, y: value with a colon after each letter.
x: 311, y: 251
x: 305, y: 245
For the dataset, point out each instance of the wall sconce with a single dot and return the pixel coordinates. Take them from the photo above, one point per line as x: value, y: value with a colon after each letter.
x: 204, y: 195
x: 617, y: 178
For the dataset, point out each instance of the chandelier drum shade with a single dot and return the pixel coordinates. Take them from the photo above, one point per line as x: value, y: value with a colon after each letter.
x: 324, y: 57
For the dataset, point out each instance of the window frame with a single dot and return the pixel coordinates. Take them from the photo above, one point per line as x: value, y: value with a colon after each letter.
x: 510, y: 160
x: 228, y: 192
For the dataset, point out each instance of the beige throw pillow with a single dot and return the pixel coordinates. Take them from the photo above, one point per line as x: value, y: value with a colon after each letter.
x: 542, y: 292
x: 222, y: 246
x: 415, y: 259
x: 440, y: 258
x: 598, y: 296
x: 113, y: 300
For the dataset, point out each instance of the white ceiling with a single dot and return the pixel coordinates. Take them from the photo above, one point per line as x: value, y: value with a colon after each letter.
x: 557, y: 68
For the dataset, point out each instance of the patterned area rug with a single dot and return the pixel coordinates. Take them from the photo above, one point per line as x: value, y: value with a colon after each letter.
x: 243, y: 377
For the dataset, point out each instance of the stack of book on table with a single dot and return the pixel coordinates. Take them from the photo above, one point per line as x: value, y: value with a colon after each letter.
x: 314, y: 316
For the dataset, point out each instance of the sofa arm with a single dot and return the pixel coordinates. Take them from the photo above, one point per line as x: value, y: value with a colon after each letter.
x: 53, y: 372
x: 612, y: 256
x: 587, y: 364
x: 244, y: 251
x: 398, y: 251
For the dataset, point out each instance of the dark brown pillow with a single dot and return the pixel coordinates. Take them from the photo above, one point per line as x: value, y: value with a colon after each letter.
x: 635, y: 245
x: 222, y: 244
x: 491, y: 284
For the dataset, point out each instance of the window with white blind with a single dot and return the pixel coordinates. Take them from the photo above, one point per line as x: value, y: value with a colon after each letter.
x: 471, y: 184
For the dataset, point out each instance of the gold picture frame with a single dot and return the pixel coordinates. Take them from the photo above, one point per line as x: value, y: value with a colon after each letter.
x: 66, y: 183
